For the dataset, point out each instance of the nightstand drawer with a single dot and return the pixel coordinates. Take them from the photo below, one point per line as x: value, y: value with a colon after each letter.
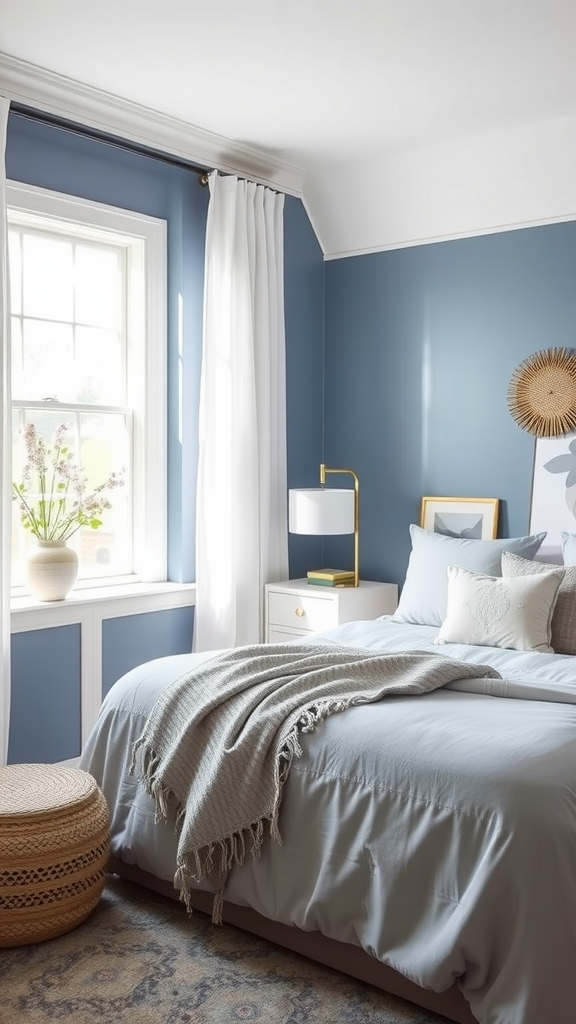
x: 301, y: 612
x: 297, y: 608
x: 283, y: 635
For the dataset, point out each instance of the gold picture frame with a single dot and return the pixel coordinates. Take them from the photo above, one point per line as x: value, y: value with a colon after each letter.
x: 473, y: 518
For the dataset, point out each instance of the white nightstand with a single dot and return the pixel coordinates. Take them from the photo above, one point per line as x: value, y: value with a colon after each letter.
x: 296, y: 607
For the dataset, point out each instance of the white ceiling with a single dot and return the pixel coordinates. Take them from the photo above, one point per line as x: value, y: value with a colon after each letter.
x: 327, y: 86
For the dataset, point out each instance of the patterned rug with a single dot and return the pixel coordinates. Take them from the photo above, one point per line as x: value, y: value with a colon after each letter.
x: 139, y: 959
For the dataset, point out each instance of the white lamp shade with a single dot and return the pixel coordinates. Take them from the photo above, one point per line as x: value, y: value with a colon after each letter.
x: 321, y: 511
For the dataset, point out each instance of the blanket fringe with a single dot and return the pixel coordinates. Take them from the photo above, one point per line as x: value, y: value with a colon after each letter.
x: 214, y: 862
x: 161, y: 794
x: 211, y: 862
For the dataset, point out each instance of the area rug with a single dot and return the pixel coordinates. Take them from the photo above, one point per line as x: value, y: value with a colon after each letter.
x: 140, y: 959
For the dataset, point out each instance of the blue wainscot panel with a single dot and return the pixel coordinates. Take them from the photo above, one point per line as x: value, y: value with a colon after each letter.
x: 131, y: 640
x: 45, y: 701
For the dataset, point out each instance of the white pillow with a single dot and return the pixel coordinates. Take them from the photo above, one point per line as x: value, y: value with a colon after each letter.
x: 490, y: 611
x: 423, y: 596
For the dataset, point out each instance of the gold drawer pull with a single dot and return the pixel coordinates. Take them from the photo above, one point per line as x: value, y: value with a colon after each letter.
x: 299, y: 612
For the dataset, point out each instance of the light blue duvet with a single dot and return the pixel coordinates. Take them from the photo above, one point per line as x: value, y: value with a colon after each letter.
x: 438, y: 832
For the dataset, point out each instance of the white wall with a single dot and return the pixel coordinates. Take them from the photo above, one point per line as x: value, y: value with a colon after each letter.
x: 511, y: 179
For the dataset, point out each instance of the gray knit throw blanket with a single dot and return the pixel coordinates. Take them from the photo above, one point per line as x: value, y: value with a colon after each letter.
x: 219, y: 742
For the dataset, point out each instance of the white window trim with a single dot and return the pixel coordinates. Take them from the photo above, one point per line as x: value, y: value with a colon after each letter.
x: 146, y: 238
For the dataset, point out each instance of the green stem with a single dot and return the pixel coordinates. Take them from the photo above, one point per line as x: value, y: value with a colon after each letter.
x: 51, y: 499
x: 36, y: 527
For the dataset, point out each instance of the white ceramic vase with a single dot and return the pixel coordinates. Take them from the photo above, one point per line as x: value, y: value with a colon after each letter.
x: 52, y: 569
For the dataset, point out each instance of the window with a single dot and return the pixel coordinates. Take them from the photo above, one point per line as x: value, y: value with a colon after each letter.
x: 88, y: 336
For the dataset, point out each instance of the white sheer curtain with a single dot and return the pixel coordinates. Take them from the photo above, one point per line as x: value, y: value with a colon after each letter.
x: 241, y: 521
x: 5, y: 450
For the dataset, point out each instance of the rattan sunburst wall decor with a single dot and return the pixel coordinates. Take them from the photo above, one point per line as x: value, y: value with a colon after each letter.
x: 542, y: 393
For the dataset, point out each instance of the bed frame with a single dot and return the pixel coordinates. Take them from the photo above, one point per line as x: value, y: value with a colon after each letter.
x: 347, y: 959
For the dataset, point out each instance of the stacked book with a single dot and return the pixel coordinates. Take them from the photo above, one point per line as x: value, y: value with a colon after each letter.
x: 331, y: 577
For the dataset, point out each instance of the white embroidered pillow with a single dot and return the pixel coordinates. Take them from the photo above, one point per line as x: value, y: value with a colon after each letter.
x: 492, y: 611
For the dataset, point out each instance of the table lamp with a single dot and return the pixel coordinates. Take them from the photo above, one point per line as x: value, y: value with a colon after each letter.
x: 326, y: 511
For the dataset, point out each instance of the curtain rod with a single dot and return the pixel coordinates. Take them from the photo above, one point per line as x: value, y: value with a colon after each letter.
x: 84, y: 131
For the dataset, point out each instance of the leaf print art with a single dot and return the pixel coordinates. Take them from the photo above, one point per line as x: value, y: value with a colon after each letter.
x: 566, y: 463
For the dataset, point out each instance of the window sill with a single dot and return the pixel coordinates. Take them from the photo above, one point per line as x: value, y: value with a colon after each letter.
x: 27, y: 612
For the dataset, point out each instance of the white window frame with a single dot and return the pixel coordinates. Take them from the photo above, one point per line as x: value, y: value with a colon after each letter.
x: 145, y: 239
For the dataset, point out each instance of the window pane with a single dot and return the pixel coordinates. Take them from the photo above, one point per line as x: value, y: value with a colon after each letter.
x: 99, y: 367
x: 48, y: 368
x: 48, y: 277
x: 19, y: 534
x: 108, y: 550
x: 15, y: 260
x: 16, y: 338
x: 22, y: 539
x: 98, y: 287
x: 99, y: 445
x: 104, y: 448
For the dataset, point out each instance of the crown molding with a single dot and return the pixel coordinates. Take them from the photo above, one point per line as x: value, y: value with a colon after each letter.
x: 453, y: 236
x: 64, y: 97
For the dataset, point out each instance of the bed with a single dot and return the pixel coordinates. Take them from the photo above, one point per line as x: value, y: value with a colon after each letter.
x: 428, y: 841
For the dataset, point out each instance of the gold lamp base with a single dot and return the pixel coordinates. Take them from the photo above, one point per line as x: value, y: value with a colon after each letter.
x: 324, y: 470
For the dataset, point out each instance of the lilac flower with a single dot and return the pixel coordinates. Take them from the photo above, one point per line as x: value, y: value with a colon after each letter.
x: 53, y: 495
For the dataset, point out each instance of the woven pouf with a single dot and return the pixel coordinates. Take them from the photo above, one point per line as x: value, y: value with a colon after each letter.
x: 54, y: 841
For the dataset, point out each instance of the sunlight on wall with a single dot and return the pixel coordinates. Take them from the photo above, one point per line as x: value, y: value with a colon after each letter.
x: 180, y: 364
x: 426, y: 392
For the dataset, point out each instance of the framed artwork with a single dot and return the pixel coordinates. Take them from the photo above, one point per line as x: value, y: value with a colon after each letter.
x: 553, y: 504
x: 473, y: 518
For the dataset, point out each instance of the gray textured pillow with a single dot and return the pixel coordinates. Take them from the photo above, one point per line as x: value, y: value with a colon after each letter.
x: 423, y: 596
x: 569, y: 548
x: 564, y: 616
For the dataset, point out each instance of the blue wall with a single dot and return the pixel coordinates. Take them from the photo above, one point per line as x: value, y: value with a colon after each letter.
x: 304, y: 290
x: 150, y: 634
x: 421, y: 344
x: 45, y: 705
